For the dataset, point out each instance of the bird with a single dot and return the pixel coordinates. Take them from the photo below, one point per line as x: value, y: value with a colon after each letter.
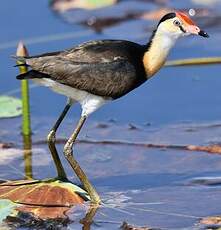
x: 97, y: 72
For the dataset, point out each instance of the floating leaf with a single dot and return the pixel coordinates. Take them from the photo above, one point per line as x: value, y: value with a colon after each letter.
x: 126, y: 226
x: 5, y: 145
x: 64, y: 5
x: 49, y: 199
x: 211, y: 220
x: 7, y: 208
x: 10, y: 107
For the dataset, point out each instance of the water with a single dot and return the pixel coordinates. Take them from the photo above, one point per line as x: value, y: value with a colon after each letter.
x: 180, y: 106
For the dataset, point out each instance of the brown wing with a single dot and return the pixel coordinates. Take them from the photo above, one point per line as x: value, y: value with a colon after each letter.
x: 108, y: 68
x: 112, y: 79
x: 96, y: 51
x: 102, y: 51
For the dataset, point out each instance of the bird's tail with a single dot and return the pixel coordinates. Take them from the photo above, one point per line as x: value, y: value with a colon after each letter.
x: 21, y: 62
x: 31, y: 74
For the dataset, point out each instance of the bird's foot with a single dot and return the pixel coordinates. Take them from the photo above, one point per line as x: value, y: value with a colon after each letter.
x: 68, y: 151
x: 51, y: 137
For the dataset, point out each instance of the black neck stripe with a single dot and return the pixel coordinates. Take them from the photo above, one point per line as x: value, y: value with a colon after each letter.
x: 182, y: 29
x: 166, y: 17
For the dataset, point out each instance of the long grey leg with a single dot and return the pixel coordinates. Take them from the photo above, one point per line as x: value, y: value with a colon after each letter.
x: 68, y: 152
x: 52, y: 139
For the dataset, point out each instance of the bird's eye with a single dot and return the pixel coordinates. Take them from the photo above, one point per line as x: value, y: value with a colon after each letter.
x: 177, y: 23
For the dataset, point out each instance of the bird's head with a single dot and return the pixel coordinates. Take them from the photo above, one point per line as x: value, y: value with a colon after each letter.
x: 178, y: 24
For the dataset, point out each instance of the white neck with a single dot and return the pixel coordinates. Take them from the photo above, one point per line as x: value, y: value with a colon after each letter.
x: 158, y: 51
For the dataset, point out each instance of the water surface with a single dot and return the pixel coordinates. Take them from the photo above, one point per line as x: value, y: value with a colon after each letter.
x: 179, y: 106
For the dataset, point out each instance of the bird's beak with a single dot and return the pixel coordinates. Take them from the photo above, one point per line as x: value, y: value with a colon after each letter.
x: 203, y: 34
x: 192, y: 29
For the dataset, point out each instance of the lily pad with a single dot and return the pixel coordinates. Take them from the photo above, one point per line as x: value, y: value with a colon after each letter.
x: 211, y: 220
x: 126, y: 226
x: 64, y: 5
x: 10, y: 107
x: 7, y: 208
x: 49, y: 199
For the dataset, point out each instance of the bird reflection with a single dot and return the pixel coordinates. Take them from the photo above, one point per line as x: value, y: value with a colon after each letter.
x: 27, y: 147
x: 87, y: 221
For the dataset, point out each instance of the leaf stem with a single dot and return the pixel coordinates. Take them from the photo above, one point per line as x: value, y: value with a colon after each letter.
x: 194, y: 61
x: 26, y: 122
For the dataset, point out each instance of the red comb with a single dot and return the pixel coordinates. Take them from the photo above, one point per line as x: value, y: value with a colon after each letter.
x: 185, y: 18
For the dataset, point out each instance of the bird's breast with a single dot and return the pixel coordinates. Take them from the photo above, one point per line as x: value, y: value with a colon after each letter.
x: 152, y: 64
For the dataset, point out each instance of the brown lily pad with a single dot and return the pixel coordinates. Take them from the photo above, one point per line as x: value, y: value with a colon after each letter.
x: 126, y: 226
x: 43, y: 199
x: 211, y: 220
x: 209, y: 149
x: 5, y: 145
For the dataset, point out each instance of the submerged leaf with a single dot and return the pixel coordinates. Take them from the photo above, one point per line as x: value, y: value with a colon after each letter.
x: 10, y: 107
x: 7, y: 208
x: 49, y: 199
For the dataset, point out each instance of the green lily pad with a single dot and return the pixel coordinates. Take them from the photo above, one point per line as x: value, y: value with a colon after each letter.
x: 99, y: 3
x: 7, y: 207
x: 64, y: 5
x: 10, y: 107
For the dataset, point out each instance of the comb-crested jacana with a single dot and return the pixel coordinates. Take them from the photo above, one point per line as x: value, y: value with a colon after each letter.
x: 97, y: 72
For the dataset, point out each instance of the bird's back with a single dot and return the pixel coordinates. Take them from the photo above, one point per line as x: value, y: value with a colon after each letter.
x: 109, y: 68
